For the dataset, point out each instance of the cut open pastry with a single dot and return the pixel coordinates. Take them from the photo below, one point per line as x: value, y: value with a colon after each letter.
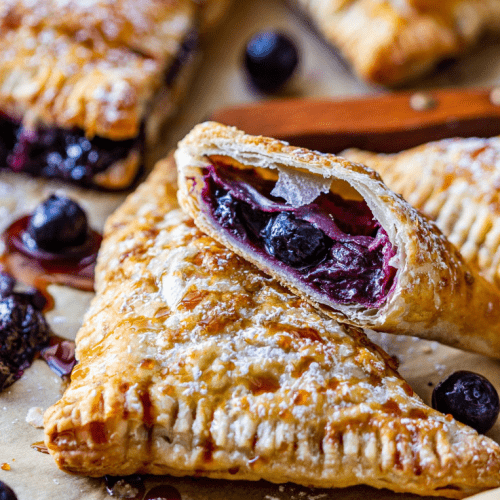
x: 332, y: 232
x: 84, y: 86
x: 454, y: 182
x: 193, y: 362
x: 389, y: 42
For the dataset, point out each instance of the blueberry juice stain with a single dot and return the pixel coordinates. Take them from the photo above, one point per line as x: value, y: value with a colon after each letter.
x: 54, y: 245
x: 37, y: 255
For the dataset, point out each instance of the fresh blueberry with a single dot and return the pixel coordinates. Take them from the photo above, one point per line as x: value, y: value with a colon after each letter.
x: 470, y: 398
x: 295, y: 242
x: 58, y: 223
x: 7, y: 283
x: 270, y: 60
x: 6, y: 493
x: 23, y: 331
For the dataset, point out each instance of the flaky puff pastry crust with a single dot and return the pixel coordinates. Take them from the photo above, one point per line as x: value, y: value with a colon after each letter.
x: 192, y: 361
x: 391, y: 41
x: 112, y: 69
x: 454, y: 182
x: 94, y: 65
x: 436, y: 295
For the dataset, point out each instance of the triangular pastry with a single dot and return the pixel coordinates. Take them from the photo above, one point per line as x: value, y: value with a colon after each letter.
x: 389, y: 42
x: 86, y: 85
x: 456, y: 183
x: 332, y: 232
x: 193, y: 362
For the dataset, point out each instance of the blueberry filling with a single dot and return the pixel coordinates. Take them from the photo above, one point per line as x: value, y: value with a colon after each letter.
x: 334, y: 246
x: 63, y: 154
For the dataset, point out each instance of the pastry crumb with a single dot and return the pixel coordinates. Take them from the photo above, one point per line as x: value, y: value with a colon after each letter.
x: 34, y: 417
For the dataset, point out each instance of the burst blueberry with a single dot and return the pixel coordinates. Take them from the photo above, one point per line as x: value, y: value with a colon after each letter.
x: 470, y: 398
x: 270, y: 60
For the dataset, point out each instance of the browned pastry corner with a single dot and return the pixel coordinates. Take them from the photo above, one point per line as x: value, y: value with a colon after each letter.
x: 456, y: 183
x: 389, y: 42
x: 99, y: 77
x: 379, y: 265
x: 192, y: 361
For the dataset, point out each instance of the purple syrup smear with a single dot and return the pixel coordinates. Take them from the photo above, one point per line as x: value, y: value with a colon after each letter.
x: 334, y: 245
x: 60, y: 356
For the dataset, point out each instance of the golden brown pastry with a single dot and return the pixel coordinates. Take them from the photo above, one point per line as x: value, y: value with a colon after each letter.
x: 390, y: 41
x: 456, y: 183
x: 191, y: 361
x: 84, y: 86
x: 332, y: 232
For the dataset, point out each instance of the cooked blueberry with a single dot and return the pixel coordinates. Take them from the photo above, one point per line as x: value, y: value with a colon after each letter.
x: 270, y: 60
x: 226, y: 213
x: 293, y: 241
x: 58, y: 223
x: 36, y: 297
x: 23, y: 331
x: 470, y: 398
x: 66, y: 154
x: 6, y: 493
x: 7, y: 283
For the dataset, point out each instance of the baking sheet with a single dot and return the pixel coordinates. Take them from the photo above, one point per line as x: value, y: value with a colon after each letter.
x: 220, y: 82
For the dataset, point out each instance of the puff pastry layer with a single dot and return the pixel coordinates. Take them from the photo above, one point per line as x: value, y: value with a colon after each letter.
x: 454, y: 182
x: 192, y: 361
x: 110, y: 72
x: 390, y: 41
x: 434, y: 293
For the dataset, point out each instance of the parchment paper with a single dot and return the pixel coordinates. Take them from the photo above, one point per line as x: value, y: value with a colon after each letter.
x: 220, y: 82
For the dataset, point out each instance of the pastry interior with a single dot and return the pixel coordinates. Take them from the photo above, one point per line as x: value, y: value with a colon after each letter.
x: 334, y: 246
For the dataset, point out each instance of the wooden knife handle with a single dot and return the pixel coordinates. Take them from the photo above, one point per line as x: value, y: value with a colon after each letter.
x: 384, y: 123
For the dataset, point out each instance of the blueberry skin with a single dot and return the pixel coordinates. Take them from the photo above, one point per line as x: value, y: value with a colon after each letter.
x: 294, y: 242
x: 23, y: 331
x: 470, y: 398
x: 58, y: 223
x: 6, y: 493
x: 270, y: 60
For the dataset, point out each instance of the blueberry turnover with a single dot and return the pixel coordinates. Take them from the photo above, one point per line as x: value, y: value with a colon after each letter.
x: 84, y: 86
x: 332, y: 232
x: 193, y: 362
x: 390, y: 42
